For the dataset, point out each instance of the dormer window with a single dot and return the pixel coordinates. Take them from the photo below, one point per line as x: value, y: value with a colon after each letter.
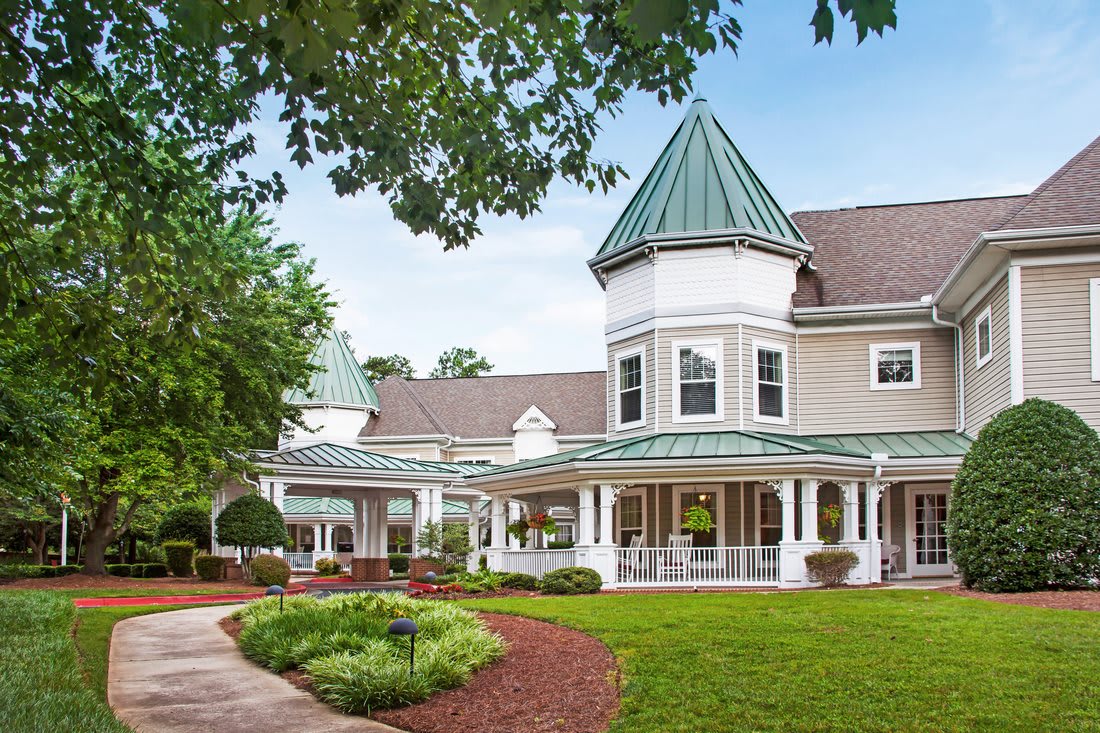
x: 697, y: 392
x: 630, y: 389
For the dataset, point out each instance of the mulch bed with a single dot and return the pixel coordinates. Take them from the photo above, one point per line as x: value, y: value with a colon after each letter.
x: 1074, y: 600
x: 524, y: 691
x: 178, y: 586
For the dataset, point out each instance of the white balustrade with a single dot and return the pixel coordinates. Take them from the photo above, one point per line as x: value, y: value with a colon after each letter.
x: 303, y: 562
x: 536, y: 562
x: 697, y: 566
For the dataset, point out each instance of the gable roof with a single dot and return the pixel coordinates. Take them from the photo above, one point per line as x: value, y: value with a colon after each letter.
x: 891, y: 254
x: 700, y: 182
x: 1070, y: 197
x: 339, y: 381
x: 486, y: 407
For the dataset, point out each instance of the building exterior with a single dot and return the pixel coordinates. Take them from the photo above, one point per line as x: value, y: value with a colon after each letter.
x: 774, y: 369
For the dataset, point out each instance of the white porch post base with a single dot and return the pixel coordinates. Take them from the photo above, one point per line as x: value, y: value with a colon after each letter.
x: 494, y: 558
x: 792, y: 567
x: 863, y: 572
x: 600, y: 558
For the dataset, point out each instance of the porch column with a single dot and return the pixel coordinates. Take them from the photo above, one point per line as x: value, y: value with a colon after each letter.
x: 850, y: 490
x: 329, y: 528
x: 498, y: 518
x: 358, y: 528
x: 435, y: 504
x: 786, y: 498
x: 513, y: 515
x: 586, y: 516
x: 318, y: 545
x: 274, y: 491
x: 376, y: 536
x: 473, y: 518
x: 809, y: 510
x: 417, y: 523
x: 874, y: 545
x: 607, y: 507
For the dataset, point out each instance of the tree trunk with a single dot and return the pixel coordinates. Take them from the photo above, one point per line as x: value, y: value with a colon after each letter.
x: 131, y: 552
x: 36, y: 540
x: 102, y: 532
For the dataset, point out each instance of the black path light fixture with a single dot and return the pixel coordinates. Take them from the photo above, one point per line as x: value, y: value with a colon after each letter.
x: 406, y: 627
x: 276, y: 590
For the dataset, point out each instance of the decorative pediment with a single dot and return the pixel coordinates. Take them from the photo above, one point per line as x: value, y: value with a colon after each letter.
x: 534, y: 419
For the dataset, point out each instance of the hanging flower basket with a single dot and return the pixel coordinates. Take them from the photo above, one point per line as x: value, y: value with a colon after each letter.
x: 696, y: 519
x: 543, y: 522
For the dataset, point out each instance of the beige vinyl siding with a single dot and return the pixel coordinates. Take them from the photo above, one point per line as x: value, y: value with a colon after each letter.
x: 734, y: 518
x: 748, y: 361
x: 651, y: 515
x: 987, y: 391
x: 1056, y: 337
x: 502, y: 454
x: 667, y: 371
x: 427, y: 451
x: 645, y: 340
x: 835, y: 394
x: 896, y: 496
x: 664, y: 521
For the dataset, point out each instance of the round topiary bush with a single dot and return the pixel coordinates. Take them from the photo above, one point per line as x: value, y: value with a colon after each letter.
x: 189, y: 522
x: 270, y: 570
x: 180, y: 555
x: 830, y: 567
x: 571, y: 581
x: 519, y: 581
x: 210, y: 567
x: 1025, y: 503
x: 249, y: 522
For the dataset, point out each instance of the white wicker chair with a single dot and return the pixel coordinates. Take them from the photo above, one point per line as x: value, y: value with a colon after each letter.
x: 890, y: 559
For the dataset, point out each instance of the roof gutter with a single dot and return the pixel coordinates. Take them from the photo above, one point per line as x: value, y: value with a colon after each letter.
x: 873, y: 310
x: 960, y: 373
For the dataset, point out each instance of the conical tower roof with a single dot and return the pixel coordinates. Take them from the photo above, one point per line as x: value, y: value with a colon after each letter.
x: 339, y: 381
x: 701, y: 182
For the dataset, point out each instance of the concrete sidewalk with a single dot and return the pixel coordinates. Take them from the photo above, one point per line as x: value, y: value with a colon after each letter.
x: 178, y: 671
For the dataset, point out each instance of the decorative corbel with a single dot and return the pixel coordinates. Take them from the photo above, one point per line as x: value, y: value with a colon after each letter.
x: 739, y: 248
x: 651, y: 253
x: 879, y: 486
x: 777, y: 486
x: 602, y: 274
x: 617, y: 489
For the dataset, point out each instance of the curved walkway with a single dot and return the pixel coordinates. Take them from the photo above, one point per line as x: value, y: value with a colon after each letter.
x: 178, y: 671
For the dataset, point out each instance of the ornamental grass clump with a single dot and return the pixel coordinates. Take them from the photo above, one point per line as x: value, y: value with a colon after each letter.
x: 1025, y: 503
x: 343, y: 645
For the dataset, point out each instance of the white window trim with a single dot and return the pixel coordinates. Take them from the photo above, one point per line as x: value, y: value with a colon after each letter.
x: 1094, y: 326
x: 719, y: 491
x: 638, y: 491
x: 987, y: 317
x: 719, y: 382
x: 619, y: 356
x: 482, y: 460
x: 873, y: 350
x: 762, y: 489
x: 756, y: 416
x: 572, y: 527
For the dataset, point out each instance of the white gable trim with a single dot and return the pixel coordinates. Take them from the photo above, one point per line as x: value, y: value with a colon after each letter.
x: 534, y: 419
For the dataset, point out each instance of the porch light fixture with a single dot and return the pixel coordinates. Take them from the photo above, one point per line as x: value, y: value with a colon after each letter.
x: 406, y: 627
x: 276, y: 590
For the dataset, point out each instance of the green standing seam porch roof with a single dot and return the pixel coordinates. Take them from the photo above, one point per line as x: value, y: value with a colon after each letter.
x: 340, y: 380
x: 331, y: 455
x: 745, y: 443
x: 338, y: 506
x: 700, y: 182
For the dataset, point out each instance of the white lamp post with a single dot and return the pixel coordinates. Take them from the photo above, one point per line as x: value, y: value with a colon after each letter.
x: 64, y: 529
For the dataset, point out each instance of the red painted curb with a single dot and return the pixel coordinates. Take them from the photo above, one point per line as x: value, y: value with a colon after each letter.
x: 292, y: 590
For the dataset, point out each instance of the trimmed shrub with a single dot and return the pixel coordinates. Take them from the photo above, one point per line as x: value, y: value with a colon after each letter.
x: 190, y: 522
x: 342, y: 643
x: 519, y: 581
x: 210, y: 567
x: 153, y: 570
x: 327, y: 566
x: 559, y: 545
x: 120, y: 570
x: 571, y: 581
x: 181, y: 557
x: 270, y: 570
x: 830, y: 567
x: 1025, y: 503
x: 137, y: 569
x: 399, y: 562
x: 248, y: 522
x: 62, y: 570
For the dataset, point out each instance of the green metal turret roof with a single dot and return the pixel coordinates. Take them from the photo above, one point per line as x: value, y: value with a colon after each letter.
x: 339, y: 381
x: 701, y: 182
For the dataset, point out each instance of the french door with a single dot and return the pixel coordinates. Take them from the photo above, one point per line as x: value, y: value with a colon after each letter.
x: 927, y: 524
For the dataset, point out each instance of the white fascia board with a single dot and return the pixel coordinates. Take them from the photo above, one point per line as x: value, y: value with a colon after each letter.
x: 436, y: 438
x: 636, y: 246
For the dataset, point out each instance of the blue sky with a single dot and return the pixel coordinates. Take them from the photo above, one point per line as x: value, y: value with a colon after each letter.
x: 967, y: 98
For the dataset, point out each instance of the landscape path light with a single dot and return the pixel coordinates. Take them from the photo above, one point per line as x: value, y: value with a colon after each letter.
x: 276, y: 590
x: 406, y: 627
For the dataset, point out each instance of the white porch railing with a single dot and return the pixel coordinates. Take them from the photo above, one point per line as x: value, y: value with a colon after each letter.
x: 536, y: 562
x: 303, y: 561
x: 717, y: 566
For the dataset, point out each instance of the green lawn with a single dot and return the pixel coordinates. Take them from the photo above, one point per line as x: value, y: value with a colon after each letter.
x: 840, y: 661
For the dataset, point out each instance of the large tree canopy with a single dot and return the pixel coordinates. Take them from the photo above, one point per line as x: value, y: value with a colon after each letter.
x: 378, y: 368
x: 450, y: 109
x: 460, y: 361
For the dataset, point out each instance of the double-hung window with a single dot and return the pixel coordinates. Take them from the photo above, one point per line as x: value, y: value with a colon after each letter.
x: 895, y: 366
x: 697, y: 394
x: 630, y: 389
x: 983, y: 338
x: 770, y: 383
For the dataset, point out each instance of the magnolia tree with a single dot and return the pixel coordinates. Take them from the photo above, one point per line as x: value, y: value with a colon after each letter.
x: 250, y: 523
x: 1025, y: 504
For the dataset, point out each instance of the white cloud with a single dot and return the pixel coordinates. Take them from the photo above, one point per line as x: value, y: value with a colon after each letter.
x: 586, y: 313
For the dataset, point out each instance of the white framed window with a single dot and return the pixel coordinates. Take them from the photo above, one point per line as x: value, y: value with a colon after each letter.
x: 630, y: 516
x: 895, y: 366
x: 710, y: 497
x: 769, y: 383
x: 697, y: 387
x: 983, y: 338
x: 630, y: 389
x: 479, y: 460
x: 563, y: 532
x: 769, y: 516
x: 1094, y: 325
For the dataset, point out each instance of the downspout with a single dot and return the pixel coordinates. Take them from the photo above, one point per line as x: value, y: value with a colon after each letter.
x: 960, y: 372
